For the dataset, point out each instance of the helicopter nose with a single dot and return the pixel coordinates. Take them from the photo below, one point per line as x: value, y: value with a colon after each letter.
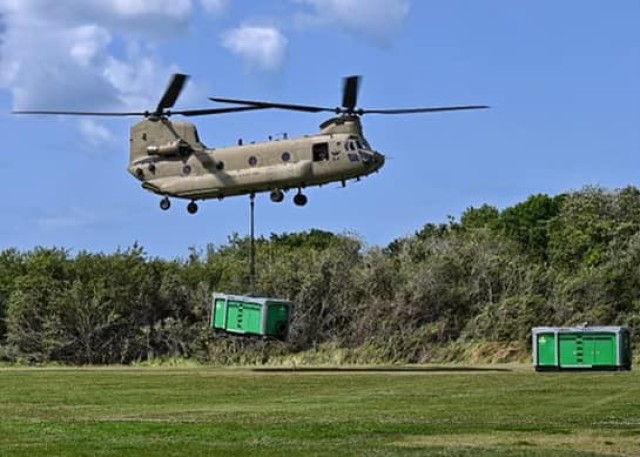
x: 378, y: 159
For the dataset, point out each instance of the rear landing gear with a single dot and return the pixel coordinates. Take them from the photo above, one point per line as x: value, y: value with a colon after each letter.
x: 300, y: 199
x: 192, y: 208
x: 165, y: 204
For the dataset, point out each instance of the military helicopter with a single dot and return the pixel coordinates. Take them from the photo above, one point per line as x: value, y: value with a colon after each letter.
x: 169, y: 159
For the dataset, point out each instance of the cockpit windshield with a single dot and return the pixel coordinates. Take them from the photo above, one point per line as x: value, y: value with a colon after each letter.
x: 358, y: 150
x: 356, y: 144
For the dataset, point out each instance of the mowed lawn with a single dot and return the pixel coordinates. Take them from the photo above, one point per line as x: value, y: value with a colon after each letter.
x: 414, y: 411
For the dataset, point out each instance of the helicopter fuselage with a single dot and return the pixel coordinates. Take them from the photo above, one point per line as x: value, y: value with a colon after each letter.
x: 169, y: 160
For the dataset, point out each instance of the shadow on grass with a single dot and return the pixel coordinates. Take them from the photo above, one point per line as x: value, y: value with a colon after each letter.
x: 387, y: 369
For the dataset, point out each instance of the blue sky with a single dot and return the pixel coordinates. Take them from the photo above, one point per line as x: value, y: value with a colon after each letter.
x: 563, y: 80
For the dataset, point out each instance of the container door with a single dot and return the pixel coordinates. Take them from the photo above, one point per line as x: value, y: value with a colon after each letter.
x: 278, y: 320
x: 589, y: 348
x: 219, y: 313
x: 546, y: 346
x: 605, y: 349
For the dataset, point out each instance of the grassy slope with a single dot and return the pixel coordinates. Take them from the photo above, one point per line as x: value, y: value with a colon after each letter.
x: 429, y: 411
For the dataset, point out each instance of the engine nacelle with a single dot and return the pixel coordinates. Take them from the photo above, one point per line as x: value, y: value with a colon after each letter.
x: 177, y: 147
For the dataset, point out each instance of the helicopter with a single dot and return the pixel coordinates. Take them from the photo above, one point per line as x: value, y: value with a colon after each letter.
x: 170, y: 160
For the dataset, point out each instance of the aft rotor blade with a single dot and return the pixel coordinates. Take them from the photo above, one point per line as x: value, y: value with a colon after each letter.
x: 261, y: 104
x: 83, y: 113
x: 172, y: 93
x: 189, y: 112
x: 350, y: 92
x: 420, y: 110
x: 206, y: 111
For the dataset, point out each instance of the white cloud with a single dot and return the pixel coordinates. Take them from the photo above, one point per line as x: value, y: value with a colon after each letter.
x: 96, y: 134
x: 132, y: 8
x: 139, y: 17
x: 139, y: 78
x: 374, y: 19
x: 87, y: 55
x: 87, y: 44
x: 215, y: 6
x: 261, y: 47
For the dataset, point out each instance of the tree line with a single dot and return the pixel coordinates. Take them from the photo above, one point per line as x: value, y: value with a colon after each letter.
x: 487, y: 277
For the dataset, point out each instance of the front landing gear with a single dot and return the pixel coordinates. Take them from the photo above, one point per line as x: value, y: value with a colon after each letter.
x: 165, y: 204
x: 300, y: 199
x: 192, y: 208
x: 276, y: 196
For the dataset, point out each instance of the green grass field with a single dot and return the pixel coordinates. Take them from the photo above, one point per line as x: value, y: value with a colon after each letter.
x: 446, y: 411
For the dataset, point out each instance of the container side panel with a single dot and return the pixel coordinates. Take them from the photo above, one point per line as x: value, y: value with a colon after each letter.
x: 234, y: 316
x: 580, y: 348
x: 546, y: 349
x: 252, y: 318
x: 571, y: 349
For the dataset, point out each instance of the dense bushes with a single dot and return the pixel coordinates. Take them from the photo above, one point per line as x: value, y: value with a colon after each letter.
x: 486, y: 279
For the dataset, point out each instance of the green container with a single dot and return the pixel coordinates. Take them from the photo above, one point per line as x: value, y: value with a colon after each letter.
x: 251, y: 316
x: 581, y: 348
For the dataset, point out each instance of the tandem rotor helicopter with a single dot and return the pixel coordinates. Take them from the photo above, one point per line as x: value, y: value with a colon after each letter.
x: 169, y: 159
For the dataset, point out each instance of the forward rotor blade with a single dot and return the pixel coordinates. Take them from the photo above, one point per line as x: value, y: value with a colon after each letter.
x: 82, y: 113
x: 350, y: 92
x: 261, y: 104
x: 171, y: 94
x: 419, y: 110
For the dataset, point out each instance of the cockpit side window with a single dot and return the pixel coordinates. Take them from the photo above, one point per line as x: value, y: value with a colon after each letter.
x: 320, y: 152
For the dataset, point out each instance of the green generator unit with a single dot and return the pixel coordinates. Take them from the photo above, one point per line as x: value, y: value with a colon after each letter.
x: 251, y: 316
x: 581, y: 348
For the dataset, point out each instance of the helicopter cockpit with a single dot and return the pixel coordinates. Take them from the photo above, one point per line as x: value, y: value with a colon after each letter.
x: 354, y: 143
x: 359, y: 149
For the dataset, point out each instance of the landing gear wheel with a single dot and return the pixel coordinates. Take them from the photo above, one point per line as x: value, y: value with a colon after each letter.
x: 192, y: 208
x: 300, y: 199
x: 276, y: 196
x: 165, y: 204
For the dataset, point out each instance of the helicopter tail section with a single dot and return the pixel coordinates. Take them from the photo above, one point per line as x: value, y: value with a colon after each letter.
x: 162, y: 137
